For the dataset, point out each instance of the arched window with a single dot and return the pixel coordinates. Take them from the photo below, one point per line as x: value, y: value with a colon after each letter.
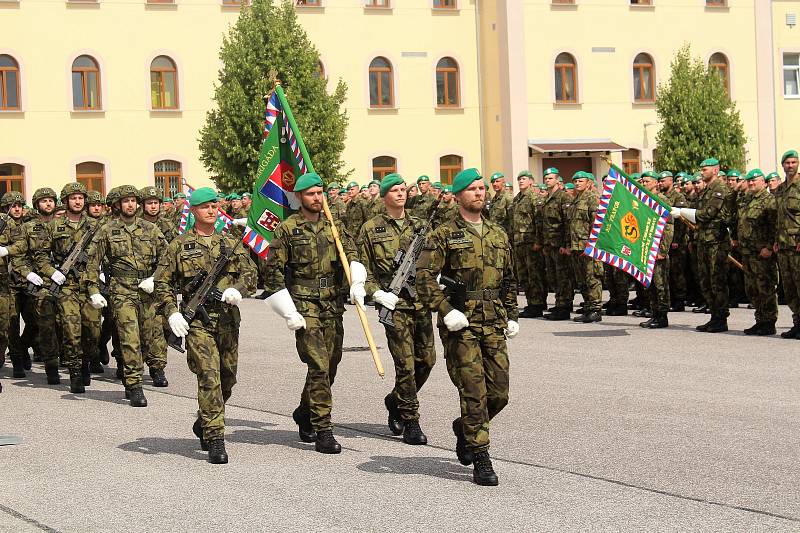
x: 163, y: 83
x: 93, y: 176
x: 448, y: 93
x: 9, y: 83
x: 449, y: 166
x: 85, y: 83
x: 719, y: 63
x: 566, y: 79
x: 383, y: 165
x: 644, y: 85
x: 168, y: 177
x: 381, y: 92
x: 12, y: 178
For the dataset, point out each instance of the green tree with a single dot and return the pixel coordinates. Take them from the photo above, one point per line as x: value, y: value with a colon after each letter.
x: 267, y: 42
x: 698, y: 119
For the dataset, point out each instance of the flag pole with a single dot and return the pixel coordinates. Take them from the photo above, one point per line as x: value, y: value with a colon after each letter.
x: 362, y: 316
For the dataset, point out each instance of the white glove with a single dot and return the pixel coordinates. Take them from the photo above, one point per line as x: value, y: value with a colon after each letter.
x: 439, y: 281
x: 3, y: 251
x: 97, y: 301
x: 386, y: 299
x: 239, y: 222
x: 358, y: 293
x: 281, y: 302
x: 102, y: 277
x: 358, y: 272
x: 231, y: 296
x: 455, y: 320
x: 58, y: 277
x: 512, y: 329
x: 147, y: 285
x: 676, y: 212
x: 689, y: 214
x: 178, y: 324
x: 35, y: 278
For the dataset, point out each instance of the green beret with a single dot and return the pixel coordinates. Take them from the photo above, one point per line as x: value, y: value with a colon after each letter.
x: 665, y: 174
x: 648, y: 174
x: 389, y: 181
x: 374, y: 182
x: 166, y: 199
x: 447, y: 188
x: 551, y: 170
x: 773, y: 176
x: 352, y: 184
x: 581, y: 175
x: 722, y: 173
x: 680, y: 175
x: 465, y: 178
x: 333, y: 186
x: 636, y: 176
x: 234, y: 196
x: 180, y: 195
x: 437, y: 185
x: 734, y: 174
x: 710, y: 162
x: 307, y: 180
x: 246, y: 195
x: 569, y: 186
x: 202, y: 196
x: 423, y: 178
x: 542, y: 186
x: 496, y: 176
x: 525, y: 173
x: 363, y: 188
x: 789, y: 153
x: 560, y: 179
x: 753, y: 174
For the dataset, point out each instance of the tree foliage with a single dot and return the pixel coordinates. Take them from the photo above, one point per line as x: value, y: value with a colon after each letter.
x: 268, y: 41
x: 698, y: 120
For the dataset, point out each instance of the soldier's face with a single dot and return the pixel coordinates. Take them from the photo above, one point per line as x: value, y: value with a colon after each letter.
x: 437, y: 193
x: 311, y: 199
x: 756, y: 185
x: 333, y: 193
x: 709, y: 173
x: 17, y: 210
x: 396, y: 196
x: 665, y: 184
x: 498, y: 184
x: 412, y: 192
x: 551, y: 180
x: 790, y: 167
x: 168, y: 206
x: 649, y: 184
x: 524, y: 182
x: 95, y: 210
x: 206, y: 213
x: 179, y: 203
x: 151, y: 206
x: 76, y: 202
x: 773, y: 184
x: 128, y: 205
x: 374, y: 190
x: 581, y: 184
x: 46, y: 206
x: 236, y: 204
x: 246, y: 202
x: 473, y: 198
x: 424, y: 186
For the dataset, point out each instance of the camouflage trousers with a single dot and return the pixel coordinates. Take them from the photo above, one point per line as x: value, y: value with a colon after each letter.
x: 590, y: 272
x: 212, y: 354
x: 133, y: 318
x: 48, y: 341
x: 616, y: 282
x: 7, y: 309
x: 559, y: 270
x: 411, y: 345
x: 319, y: 345
x: 538, y: 280
x: 527, y: 276
x: 658, y: 290
x: 677, y: 273
x: 80, y: 325
x: 24, y: 306
x: 712, y: 270
x: 477, y: 362
x: 789, y: 264
x: 156, y: 342
x: 760, y: 284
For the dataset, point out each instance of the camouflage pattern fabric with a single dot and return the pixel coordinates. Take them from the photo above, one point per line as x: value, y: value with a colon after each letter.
x: 588, y: 271
x: 788, y: 237
x: 713, y: 245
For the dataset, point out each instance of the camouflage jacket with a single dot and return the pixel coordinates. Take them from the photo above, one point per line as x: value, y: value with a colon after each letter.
x: 500, y: 210
x: 10, y: 237
x: 28, y: 238
x: 423, y: 206
x: 62, y: 236
x: 675, y: 198
x: 522, y: 208
x: 482, y: 262
x: 538, y: 220
x: 303, y: 258
x: 580, y: 216
x: 354, y: 215
x: 127, y: 253
x: 189, y: 254
x: 788, y: 226
x: 714, y: 212
x: 758, y: 222
x: 553, y: 223
x: 377, y: 245
x: 338, y: 209
x: 444, y: 213
x: 668, y: 236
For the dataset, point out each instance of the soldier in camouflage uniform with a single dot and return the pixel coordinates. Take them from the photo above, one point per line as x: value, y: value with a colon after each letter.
x: 756, y: 231
x: 538, y: 273
x: 447, y: 209
x: 712, y: 215
x: 475, y: 253
x: 521, y: 237
x: 304, y: 282
x: 212, y: 349
x: 151, y: 212
x: 425, y: 200
x: 180, y: 202
x: 128, y: 248
x: 80, y: 320
x: 500, y: 208
x: 7, y: 307
x: 336, y: 205
x: 13, y: 205
x: 659, y: 284
x: 738, y: 196
x: 410, y: 340
x: 95, y: 205
x: 587, y: 270
x: 355, y: 215
x: 678, y: 249
x: 787, y: 240
x: 554, y: 243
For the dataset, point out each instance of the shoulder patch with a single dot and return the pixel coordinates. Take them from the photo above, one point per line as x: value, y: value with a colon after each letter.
x: 456, y: 234
x: 380, y: 229
x: 297, y: 231
x: 188, y: 246
x: 115, y: 232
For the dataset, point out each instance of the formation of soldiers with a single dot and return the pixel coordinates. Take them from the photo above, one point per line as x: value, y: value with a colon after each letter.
x: 80, y: 270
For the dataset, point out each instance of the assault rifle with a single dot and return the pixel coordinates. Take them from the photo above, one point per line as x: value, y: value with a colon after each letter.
x: 203, y: 286
x: 405, y: 265
x: 77, y: 256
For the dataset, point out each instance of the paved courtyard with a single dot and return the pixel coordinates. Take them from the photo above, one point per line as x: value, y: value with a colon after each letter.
x: 610, y: 427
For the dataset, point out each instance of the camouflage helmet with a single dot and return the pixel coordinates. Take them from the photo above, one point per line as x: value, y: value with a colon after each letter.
x: 123, y: 191
x: 44, y: 192
x: 73, y: 188
x: 150, y: 192
x: 112, y: 196
x: 94, y: 197
x: 12, y: 197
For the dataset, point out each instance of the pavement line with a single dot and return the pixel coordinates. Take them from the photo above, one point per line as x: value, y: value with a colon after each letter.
x: 31, y: 521
x: 533, y: 465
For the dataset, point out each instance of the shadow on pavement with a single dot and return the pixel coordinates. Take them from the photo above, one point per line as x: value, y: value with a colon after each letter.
x: 189, y: 448
x: 376, y: 431
x: 109, y: 396
x: 428, y: 466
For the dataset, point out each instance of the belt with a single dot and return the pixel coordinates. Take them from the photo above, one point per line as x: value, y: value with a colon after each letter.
x: 134, y: 274
x: 321, y: 283
x: 485, y: 294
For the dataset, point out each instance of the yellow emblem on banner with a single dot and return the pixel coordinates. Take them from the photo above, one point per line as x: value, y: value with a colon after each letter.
x: 288, y: 180
x: 630, y: 228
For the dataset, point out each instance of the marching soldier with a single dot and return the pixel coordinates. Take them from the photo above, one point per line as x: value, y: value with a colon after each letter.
x: 152, y: 212
x: 7, y: 307
x: 212, y: 349
x: 304, y: 280
x: 554, y: 245
x: 474, y: 252
x: 13, y: 204
x: 787, y: 241
x: 659, y: 284
x: 588, y: 271
x: 677, y: 251
x: 411, y: 338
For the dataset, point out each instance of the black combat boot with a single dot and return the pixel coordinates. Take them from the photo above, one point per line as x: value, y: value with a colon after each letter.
x: 120, y: 372
x: 702, y: 309
x: 647, y: 323
x: 559, y: 313
x: 197, y: 429
x: 767, y: 328
x: 635, y: 304
x: 395, y: 422
x: 412, y: 433
x: 302, y: 418
x: 26, y: 360
x: 704, y: 327
x: 677, y: 307
x: 658, y: 321
x: 326, y: 443
x: 645, y: 312
x: 216, y: 452
x: 96, y: 367
x: 53, y: 377
x: 752, y: 330
x: 791, y: 333
x: 464, y: 455
x: 136, y: 396
x: 532, y: 311
x: 484, y: 473
x: 159, y: 379
x: 86, y: 374
x: 718, y: 324
x: 587, y: 318
x: 76, y: 381
x: 104, y: 356
x: 617, y: 310
x: 18, y: 369
x: 2, y: 359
